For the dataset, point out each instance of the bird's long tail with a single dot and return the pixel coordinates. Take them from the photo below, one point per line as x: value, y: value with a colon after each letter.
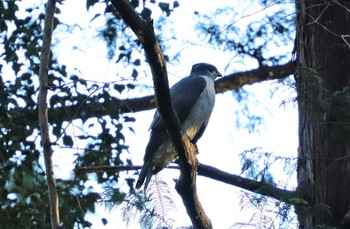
x: 146, y: 173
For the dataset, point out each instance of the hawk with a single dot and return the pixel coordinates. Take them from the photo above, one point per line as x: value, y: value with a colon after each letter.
x: 193, y: 99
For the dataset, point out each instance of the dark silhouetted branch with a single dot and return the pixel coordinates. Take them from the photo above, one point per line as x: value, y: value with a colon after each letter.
x: 247, y: 184
x: 186, y: 185
x: 239, y: 79
x: 43, y: 118
x: 101, y: 169
x: 116, y: 106
x: 215, y: 174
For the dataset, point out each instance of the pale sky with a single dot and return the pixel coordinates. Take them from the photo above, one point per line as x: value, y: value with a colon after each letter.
x: 221, y: 143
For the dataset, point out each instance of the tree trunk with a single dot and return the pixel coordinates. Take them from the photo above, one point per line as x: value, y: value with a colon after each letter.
x: 323, y: 79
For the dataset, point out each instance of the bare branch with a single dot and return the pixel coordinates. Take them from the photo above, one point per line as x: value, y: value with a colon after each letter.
x: 116, y: 106
x: 212, y: 173
x: 42, y: 108
x: 224, y: 84
x: 258, y: 187
x: 78, y: 171
x: 186, y: 185
x: 239, y: 79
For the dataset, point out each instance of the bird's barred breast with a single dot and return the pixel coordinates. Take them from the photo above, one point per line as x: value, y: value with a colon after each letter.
x: 201, y: 110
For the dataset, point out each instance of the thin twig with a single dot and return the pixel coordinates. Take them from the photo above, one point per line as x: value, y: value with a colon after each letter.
x: 43, y: 117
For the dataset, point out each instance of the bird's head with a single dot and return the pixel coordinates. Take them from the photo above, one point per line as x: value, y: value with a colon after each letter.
x: 205, y: 69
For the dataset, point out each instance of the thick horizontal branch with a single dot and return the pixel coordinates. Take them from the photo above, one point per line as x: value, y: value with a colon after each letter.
x: 240, y: 79
x: 215, y: 174
x: 78, y: 171
x: 246, y: 184
x: 224, y: 84
x: 115, y: 105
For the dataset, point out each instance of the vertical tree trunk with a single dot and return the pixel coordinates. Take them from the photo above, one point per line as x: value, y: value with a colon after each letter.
x: 323, y: 82
x: 43, y: 116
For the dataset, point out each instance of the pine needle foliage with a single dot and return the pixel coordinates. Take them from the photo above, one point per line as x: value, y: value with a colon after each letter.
x: 257, y: 164
x: 266, y: 213
x: 153, y: 208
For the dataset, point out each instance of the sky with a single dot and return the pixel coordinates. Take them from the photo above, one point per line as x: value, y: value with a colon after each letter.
x: 222, y: 141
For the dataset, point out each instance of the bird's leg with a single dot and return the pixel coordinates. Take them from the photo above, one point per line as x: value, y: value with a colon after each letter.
x: 199, y: 134
x: 176, y: 161
x: 194, y: 142
x: 196, y: 149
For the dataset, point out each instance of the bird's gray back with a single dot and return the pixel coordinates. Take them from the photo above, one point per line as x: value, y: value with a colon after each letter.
x: 193, y: 99
x: 183, y: 95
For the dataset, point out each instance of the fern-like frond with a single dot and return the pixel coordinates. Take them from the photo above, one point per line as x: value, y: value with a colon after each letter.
x: 162, y: 203
x: 240, y: 225
x: 134, y: 203
x: 153, y: 208
x: 266, y: 212
x: 112, y: 197
x: 259, y: 165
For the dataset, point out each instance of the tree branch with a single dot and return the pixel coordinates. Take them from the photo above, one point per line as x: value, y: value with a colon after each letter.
x: 224, y: 84
x: 42, y: 109
x: 239, y: 79
x: 116, y: 106
x: 186, y: 185
x: 215, y: 174
x: 247, y: 184
x: 78, y: 171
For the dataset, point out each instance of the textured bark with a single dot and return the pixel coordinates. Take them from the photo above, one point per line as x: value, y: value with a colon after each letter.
x: 239, y: 79
x: 43, y: 117
x: 323, y: 63
x: 186, y: 151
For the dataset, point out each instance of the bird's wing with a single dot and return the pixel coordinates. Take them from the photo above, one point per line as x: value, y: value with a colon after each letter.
x: 199, y: 133
x: 158, y: 136
x: 184, y: 95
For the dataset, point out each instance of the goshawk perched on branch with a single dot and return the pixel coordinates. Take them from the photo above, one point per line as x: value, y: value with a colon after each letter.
x: 193, y: 99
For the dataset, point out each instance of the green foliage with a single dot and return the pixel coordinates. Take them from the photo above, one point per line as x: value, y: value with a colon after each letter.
x: 257, y: 165
x: 315, y: 84
x: 23, y: 190
x: 80, y: 116
x: 333, y: 103
x: 339, y: 117
x: 252, y: 41
x: 304, y: 209
x: 155, y: 208
x: 250, y: 45
x: 245, y: 118
x: 288, y: 86
x: 265, y: 212
x: 120, y: 40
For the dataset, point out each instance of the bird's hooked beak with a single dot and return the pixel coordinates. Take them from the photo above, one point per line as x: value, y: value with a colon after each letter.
x: 214, y: 74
